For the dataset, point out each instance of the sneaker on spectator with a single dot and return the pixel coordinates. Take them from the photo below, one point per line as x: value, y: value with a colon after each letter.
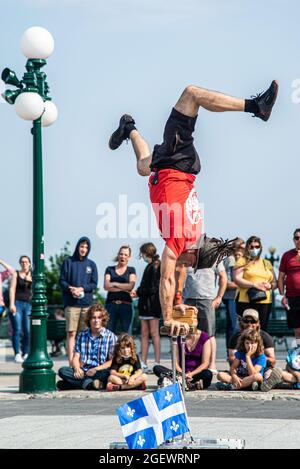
x: 296, y: 385
x: 274, y: 378
x: 255, y: 386
x: 144, y: 367
x: 63, y: 386
x: 97, y: 385
x: 18, y: 358
x: 25, y: 356
x: 197, y: 386
x: 225, y: 386
x: 113, y: 387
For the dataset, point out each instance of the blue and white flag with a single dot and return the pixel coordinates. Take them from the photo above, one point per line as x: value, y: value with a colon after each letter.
x: 149, y: 421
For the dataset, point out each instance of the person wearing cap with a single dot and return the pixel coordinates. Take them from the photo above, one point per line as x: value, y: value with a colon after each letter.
x: 250, y: 321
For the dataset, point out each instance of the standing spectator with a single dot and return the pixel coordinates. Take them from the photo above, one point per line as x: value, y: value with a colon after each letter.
x: 78, y: 280
x: 199, y: 291
x: 4, y: 274
x: 255, y: 275
x: 149, y: 304
x: 20, y: 293
x: 92, y: 354
x: 230, y: 293
x: 289, y: 285
x: 119, y: 281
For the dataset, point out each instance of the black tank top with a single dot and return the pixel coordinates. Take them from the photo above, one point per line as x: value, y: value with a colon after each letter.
x: 23, y: 289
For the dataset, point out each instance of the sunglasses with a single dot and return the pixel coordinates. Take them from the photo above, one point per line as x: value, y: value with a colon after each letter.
x: 254, y: 247
x: 249, y: 321
x: 296, y: 238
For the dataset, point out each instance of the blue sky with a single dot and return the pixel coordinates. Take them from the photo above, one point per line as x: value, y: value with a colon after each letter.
x: 137, y: 56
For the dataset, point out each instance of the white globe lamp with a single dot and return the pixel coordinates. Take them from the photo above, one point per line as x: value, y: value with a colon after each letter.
x: 29, y: 106
x: 37, y: 43
x: 50, y: 114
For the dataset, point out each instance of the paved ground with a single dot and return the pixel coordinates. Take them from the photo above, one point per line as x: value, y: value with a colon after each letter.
x: 65, y: 419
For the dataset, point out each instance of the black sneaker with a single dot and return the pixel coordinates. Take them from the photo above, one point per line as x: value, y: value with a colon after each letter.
x: 212, y: 251
x: 122, y: 132
x: 63, y: 386
x: 265, y: 101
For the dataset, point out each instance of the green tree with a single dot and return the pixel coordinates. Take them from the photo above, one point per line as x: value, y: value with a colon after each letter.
x: 52, y: 274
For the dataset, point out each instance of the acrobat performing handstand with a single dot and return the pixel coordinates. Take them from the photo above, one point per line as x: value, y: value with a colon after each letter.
x: 172, y: 167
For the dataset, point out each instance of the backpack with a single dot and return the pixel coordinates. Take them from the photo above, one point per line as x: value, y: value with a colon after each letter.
x: 293, y: 358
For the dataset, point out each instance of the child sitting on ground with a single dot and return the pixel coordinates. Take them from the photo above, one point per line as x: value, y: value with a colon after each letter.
x: 126, y: 371
x: 248, y: 366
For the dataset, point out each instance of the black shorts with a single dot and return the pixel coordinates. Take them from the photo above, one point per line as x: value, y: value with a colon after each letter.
x: 177, y: 150
x: 293, y: 314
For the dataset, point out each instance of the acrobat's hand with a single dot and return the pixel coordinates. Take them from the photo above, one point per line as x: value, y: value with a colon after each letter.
x: 176, y: 327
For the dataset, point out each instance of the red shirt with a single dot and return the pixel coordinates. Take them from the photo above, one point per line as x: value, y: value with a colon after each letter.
x: 290, y: 266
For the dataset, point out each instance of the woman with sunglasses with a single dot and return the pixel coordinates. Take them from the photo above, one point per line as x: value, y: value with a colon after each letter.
x: 289, y: 285
x: 254, y: 275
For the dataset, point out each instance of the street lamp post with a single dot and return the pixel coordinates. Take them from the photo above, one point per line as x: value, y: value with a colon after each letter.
x: 33, y: 103
x: 273, y: 259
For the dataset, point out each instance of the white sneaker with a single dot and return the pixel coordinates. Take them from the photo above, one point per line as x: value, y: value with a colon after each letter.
x: 25, y: 356
x: 18, y: 358
x: 144, y: 367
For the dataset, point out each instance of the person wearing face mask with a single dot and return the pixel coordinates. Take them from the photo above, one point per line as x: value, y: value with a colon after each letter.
x: 126, y: 371
x: 255, y: 279
x: 149, y: 304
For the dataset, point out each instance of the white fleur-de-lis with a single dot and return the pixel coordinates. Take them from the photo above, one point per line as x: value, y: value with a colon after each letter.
x: 140, y: 441
x: 168, y: 396
x: 130, y: 412
x: 174, y: 426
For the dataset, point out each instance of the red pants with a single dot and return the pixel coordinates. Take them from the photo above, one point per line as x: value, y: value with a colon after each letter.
x: 176, y: 207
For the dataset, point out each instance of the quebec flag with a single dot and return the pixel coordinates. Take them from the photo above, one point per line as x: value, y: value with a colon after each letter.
x: 151, y: 420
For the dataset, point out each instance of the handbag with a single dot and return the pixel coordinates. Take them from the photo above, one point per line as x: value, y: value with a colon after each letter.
x: 255, y: 295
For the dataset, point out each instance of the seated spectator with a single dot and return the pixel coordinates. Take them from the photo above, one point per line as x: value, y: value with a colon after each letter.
x: 92, y: 354
x: 247, y: 369
x: 292, y: 372
x: 197, y: 357
x: 126, y: 371
x: 250, y: 321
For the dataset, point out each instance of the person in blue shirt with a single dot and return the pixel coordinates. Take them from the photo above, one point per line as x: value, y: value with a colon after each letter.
x: 247, y: 369
x: 78, y: 280
x: 92, y: 354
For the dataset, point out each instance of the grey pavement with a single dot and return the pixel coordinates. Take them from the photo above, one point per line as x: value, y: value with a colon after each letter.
x: 64, y: 419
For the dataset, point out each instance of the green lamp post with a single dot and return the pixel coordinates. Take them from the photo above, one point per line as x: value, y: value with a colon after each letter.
x: 273, y: 259
x: 32, y: 103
